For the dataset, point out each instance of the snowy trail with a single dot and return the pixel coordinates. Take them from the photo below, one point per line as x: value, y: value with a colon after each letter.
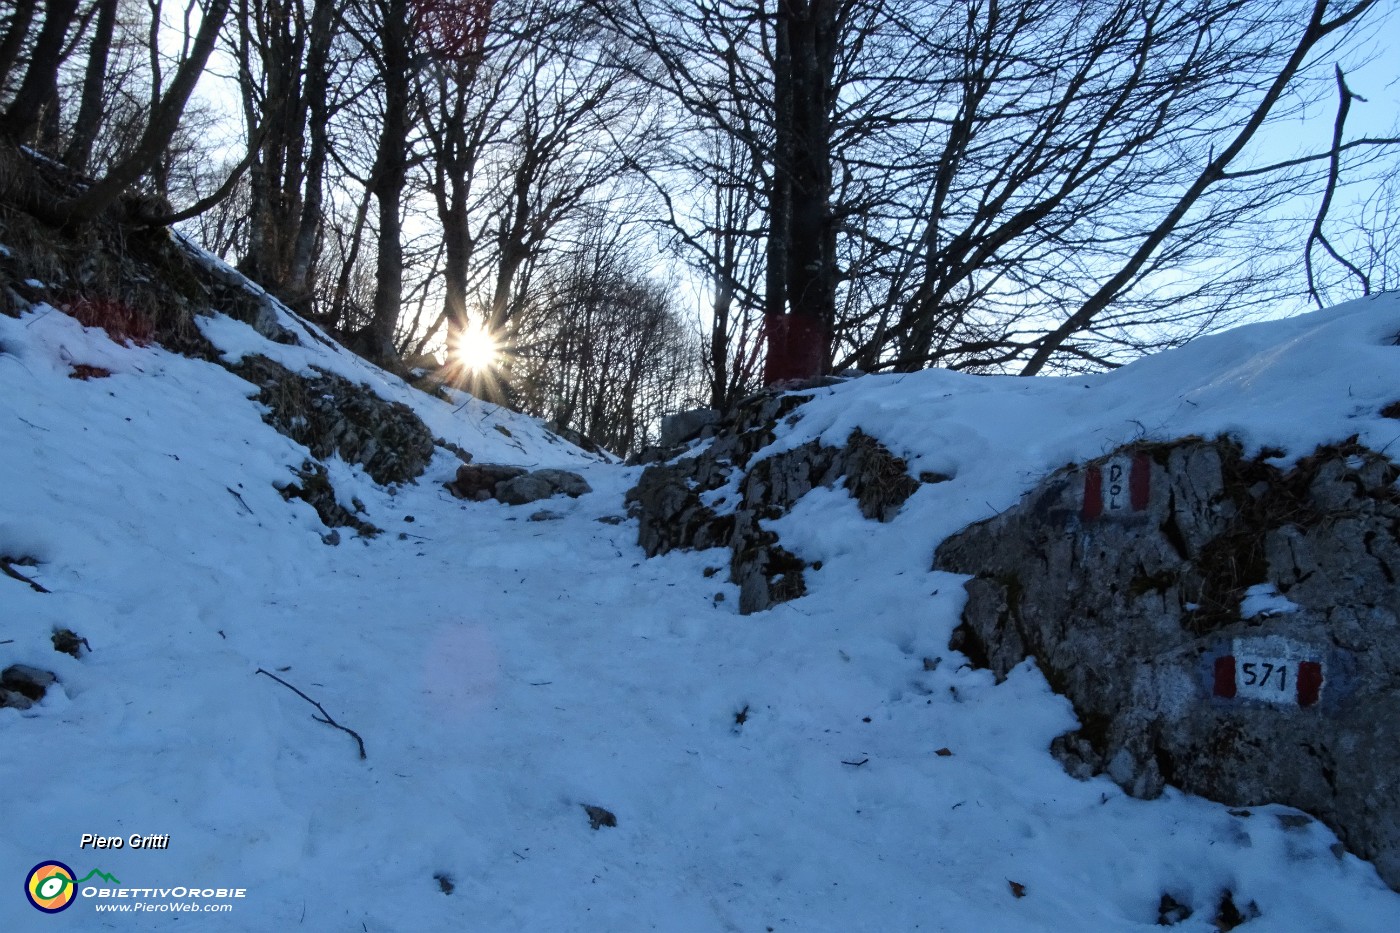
x: 504, y: 672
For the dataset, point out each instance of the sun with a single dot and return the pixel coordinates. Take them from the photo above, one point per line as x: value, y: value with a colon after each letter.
x: 477, y: 349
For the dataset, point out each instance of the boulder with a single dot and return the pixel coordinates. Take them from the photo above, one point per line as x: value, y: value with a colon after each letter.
x: 523, y: 489
x: 564, y: 482
x: 514, y: 485
x: 21, y: 685
x: 1219, y: 624
x: 541, y: 484
x: 478, y: 481
x: 685, y: 426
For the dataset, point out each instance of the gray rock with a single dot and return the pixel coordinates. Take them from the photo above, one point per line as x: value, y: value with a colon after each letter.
x: 314, y: 487
x: 565, y: 482
x: 478, y: 481
x: 667, y: 499
x: 266, y: 323
x: 24, y: 685
x: 524, y: 489
x: 14, y: 700
x: 541, y: 484
x: 684, y: 426
x: 1124, y: 578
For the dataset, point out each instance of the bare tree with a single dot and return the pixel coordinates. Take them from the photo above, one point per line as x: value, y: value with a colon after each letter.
x: 90, y: 111
x: 1004, y: 182
x: 603, y: 349
x: 38, y: 91
x: 284, y: 70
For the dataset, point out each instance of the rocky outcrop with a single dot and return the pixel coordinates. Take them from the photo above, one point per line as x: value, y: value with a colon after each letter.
x: 329, y: 414
x: 514, y: 485
x: 686, y: 425
x: 314, y: 487
x: 676, y: 509
x: 1219, y: 624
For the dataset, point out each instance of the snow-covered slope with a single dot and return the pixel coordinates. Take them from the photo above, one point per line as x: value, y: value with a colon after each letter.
x: 802, y: 769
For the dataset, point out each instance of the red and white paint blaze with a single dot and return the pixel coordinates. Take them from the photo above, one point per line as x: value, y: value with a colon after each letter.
x: 1122, y: 485
x: 1284, y: 678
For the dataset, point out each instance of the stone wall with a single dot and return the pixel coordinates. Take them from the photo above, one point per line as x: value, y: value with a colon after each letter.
x: 1218, y: 623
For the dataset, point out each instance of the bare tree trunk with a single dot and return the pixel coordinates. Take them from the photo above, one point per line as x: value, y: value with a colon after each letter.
x: 390, y: 175
x: 318, y: 112
x: 164, y: 121
x: 22, y: 118
x: 801, y: 300
x: 79, y: 152
x: 15, y: 32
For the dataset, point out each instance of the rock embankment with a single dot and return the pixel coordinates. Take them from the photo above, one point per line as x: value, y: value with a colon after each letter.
x: 1219, y: 624
x: 679, y: 503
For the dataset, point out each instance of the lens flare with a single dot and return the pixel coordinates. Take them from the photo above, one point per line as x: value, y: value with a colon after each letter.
x: 477, y: 349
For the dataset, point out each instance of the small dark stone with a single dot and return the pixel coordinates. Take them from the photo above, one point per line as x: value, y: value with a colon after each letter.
x: 1170, y: 911
x: 599, y: 817
x: 444, y: 882
x: 69, y: 642
x: 1228, y: 916
x: 462, y: 455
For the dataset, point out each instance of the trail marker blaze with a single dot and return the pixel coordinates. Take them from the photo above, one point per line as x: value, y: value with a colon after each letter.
x: 1283, y: 678
x: 1121, y: 486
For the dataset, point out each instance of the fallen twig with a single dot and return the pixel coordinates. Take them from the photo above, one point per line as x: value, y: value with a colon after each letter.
x: 240, y: 500
x: 327, y: 716
x: 10, y: 571
x: 856, y: 764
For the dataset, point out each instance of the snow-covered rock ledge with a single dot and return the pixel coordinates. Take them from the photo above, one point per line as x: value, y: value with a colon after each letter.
x: 1219, y: 624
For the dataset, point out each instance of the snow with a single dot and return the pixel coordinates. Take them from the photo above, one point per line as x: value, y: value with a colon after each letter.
x: 1264, y: 599
x: 503, y: 673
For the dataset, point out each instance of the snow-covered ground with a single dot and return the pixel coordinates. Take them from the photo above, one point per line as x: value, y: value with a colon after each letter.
x: 504, y: 673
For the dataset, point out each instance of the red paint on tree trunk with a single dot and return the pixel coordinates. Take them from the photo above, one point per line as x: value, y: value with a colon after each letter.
x: 1093, y: 493
x: 1309, y: 682
x: 1225, y: 676
x: 796, y: 348
x: 1138, y: 480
